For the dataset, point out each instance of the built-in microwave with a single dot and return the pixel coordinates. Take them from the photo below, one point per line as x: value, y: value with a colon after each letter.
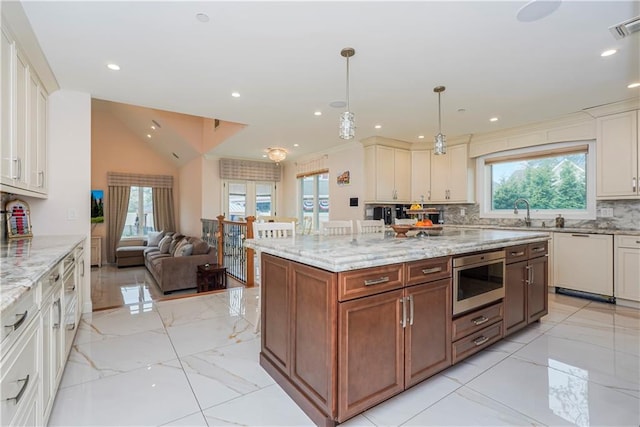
x: 478, y: 280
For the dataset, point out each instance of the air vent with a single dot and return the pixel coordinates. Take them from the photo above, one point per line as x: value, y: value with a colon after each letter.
x: 216, y: 123
x: 156, y: 124
x: 624, y: 29
x: 175, y: 155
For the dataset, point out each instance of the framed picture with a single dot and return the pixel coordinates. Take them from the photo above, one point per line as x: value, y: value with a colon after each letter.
x: 343, y: 178
x: 18, y: 219
x: 97, y: 206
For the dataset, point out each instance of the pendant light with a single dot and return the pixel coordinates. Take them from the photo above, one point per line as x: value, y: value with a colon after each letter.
x: 347, y: 123
x: 277, y: 154
x: 440, y: 143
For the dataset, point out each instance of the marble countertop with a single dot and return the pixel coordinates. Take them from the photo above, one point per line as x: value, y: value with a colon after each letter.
x: 344, y: 253
x: 24, y: 261
x: 582, y: 230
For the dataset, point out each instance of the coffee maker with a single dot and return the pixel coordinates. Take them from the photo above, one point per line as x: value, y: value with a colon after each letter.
x: 384, y: 213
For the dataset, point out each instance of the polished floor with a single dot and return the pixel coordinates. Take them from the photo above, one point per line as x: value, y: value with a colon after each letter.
x: 194, y: 361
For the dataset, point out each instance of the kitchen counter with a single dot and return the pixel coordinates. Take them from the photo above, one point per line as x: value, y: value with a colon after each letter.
x: 345, y: 253
x: 24, y: 261
x: 589, y: 230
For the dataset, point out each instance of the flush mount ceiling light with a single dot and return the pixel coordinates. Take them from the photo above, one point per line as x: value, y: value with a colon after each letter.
x: 633, y: 85
x: 347, y: 123
x: 277, y: 154
x: 537, y: 9
x: 625, y: 28
x: 114, y: 67
x: 608, y: 52
x: 235, y: 94
x: 440, y: 142
x: 202, y: 17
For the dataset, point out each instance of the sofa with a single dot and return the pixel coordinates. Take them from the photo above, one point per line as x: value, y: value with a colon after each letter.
x: 173, y: 263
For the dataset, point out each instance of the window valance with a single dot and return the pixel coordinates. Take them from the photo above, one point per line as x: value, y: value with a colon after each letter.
x: 250, y: 170
x: 139, y: 180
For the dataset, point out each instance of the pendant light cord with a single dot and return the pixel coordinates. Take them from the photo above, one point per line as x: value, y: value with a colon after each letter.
x: 348, y: 109
x: 439, y: 114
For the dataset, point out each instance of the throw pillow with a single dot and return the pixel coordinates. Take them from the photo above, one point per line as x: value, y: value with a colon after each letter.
x: 200, y: 247
x: 164, y: 244
x: 184, y: 250
x: 154, y: 238
x: 173, y: 248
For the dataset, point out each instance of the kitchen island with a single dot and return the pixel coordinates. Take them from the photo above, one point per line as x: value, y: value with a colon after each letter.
x: 350, y: 321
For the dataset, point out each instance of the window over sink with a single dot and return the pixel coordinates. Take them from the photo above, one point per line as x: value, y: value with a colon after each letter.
x: 553, y: 178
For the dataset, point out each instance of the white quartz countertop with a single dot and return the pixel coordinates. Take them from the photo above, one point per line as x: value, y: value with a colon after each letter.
x: 577, y: 230
x: 24, y: 261
x: 344, y: 253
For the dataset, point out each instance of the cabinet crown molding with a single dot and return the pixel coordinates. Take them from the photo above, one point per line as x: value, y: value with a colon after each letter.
x: 614, y: 108
x: 389, y: 142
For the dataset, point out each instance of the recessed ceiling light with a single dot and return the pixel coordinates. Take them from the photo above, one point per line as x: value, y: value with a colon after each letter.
x: 608, y: 52
x: 378, y: 126
x: 420, y: 136
x: 338, y: 104
x: 537, y: 9
x: 148, y: 135
x: 296, y: 145
x: 633, y: 85
x: 317, y: 113
x: 235, y: 94
x: 202, y: 17
x: 461, y: 110
x: 153, y: 127
x: 114, y: 67
x: 493, y: 119
x: 264, y: 155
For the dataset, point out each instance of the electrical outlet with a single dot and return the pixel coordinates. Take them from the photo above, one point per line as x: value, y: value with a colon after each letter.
x: 606, y: 212
x: 463, y: 212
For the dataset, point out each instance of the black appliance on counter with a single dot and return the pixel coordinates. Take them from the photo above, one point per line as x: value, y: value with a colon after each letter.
x: 383, y: 212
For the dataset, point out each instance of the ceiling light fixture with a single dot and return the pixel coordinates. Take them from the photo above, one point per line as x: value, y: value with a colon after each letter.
x: 633, y: 85
x: 493, y: 119
x: 378, y: 126
x: 440, y: 142
x: 277, y: 154
x: 202, y: 17
x: 114, y: 67
x: 625, y: 28
x: 347, y: 123
x: 235, y: 94
x: 317, y: 113
x: 608, y: 52
x: 420, y: 136
x: 537, y: 9
x: 148, y: 135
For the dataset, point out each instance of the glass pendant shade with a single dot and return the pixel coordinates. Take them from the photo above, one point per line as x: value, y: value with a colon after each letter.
x: 440, y: 144
x: 347, y: 125
x: 277, y: 154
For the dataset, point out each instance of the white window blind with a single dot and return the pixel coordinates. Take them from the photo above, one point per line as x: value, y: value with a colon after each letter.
x: 137, y: 180
x: 250, y: 170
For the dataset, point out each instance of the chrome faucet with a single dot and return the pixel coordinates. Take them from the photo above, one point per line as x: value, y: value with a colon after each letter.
x: 527, y: 219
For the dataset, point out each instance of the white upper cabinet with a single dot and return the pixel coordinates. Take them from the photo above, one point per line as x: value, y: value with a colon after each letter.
x: 420, y: 176
x: 387, y: 174
x: 452, y: 176
x: 617, y: 156
x: 23, y: 118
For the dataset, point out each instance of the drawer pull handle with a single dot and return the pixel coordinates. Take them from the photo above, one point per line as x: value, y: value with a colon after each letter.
x: 480, y: 340
x: 431, y: 270
x: 480, y: 320
x: 18, y: 396
x: 55, y: 279
x: 580, y: 235
x: 71, y: 326
x: 403, y: 321
x: 517, y: 253
x: 71, y: 288
x: 19, y: 322
x: 537, y: 249
x: 371, y: 282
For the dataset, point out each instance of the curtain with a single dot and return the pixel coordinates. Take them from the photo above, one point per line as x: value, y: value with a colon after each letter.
x: 117, y: 205
x: 163, y: 215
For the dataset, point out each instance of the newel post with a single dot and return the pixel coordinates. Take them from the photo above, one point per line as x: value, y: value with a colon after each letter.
x: 250, y: 253
x: 220, y: 239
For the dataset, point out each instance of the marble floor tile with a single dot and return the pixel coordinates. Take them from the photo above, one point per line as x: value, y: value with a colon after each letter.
x: 269, y: 406
x: 555, y: 397
x: 99, y: 359
x: 193, y: 420
x: 465, y: 407
x: 107, y: 324
x: 153, y: 395
x: 625, y: 340
x: 193, y: 308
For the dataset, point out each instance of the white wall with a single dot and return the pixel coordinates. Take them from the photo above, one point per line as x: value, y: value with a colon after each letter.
x: 67, y: 210
x: 211, y: 188
x: 190, y: 206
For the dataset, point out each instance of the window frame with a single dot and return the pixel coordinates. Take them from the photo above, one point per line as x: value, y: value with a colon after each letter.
x: 315, y: 215
x: 140, y: 212
x: 484, y: 183
x: 250, y: 208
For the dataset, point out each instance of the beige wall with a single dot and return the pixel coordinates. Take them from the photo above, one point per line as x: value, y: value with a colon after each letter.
x: 211, y: 188
x: 116, y: 149
x: 191, y: 197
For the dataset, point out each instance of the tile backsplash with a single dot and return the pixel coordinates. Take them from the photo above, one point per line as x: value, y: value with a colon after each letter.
x: 626, y: 216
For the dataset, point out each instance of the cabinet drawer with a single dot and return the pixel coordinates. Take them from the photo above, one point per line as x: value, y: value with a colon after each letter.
x: 627, y: 241
x: 428, y: 270
x: 17, y: 317
x: 19, y: 374
x: 516, y: 253
x: 538, y: 249
x: 50, y: 281
x: 473, y: 322
x: 473, y: 343
x: 369, y: 281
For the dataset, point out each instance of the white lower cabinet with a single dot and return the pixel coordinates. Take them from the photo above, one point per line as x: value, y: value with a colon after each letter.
x: 52, y: 338
x: 583, y: 262
x: 627, y: 267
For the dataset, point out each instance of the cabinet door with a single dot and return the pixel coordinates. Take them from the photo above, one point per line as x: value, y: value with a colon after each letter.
x: 313, y: 334
x: 537, y: 288
x: 439, y: 177
x: 32, y: 133
x: 402, y: 175
x: 617, y: 160
x: 421, y: 175
x: 627, y: 284
x: 7, y: 96
x: 43, y: 179
x: 275, y: 311
x: 370, y: 353
x: 515, y: 309
x: 428, y: 332
x: 385, y: 173
x: 584, y: 262
x: 458, y: 173
x: 22, y: 84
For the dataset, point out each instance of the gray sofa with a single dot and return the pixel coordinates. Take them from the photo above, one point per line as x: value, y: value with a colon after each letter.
x: 175, y: 267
